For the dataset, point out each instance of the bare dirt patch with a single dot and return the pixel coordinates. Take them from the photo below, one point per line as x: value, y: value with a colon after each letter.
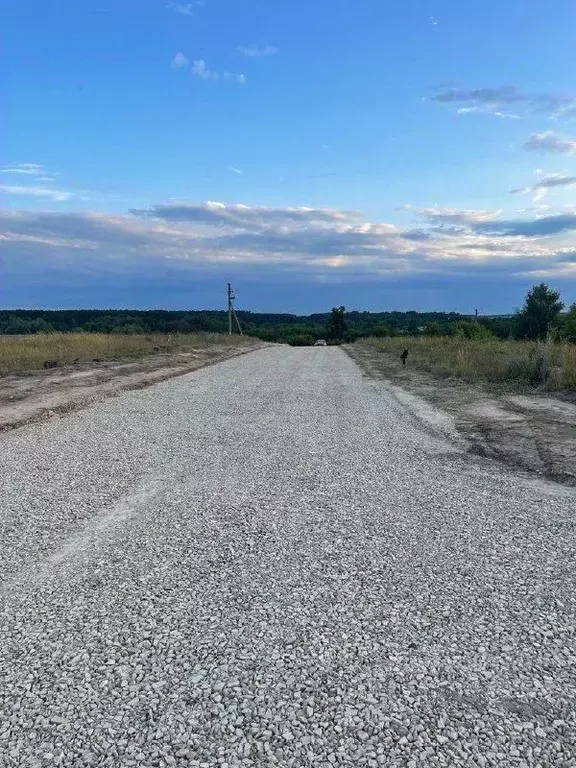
x: 533, y: 431
x: 47, y: 394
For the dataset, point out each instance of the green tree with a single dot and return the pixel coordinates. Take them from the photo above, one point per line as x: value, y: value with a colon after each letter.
x: 541, y: 309
x: 380, y: 330
x: 337, y: 325
x: 568, y: 325
x: 17, y: 326
x: 437, y: 329
x: 301, y: 340
x: 470, y: 329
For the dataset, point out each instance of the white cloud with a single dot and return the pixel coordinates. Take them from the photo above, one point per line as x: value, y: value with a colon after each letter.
x: 58, y: 195
x: 185, y: 9
x: 179, y: 61
x: 235, y: 170
x: 487, y: 111
x: 255, y: 52
x: 25, y: 169
x: 200, y: 70
x: 550, y: 142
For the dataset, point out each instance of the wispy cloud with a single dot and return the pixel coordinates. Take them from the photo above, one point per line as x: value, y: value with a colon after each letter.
x: 492, y: 101
x: 58, y: 195
x: 28, y: 169
x: 235, y: 170
x: 487, y: 111
x: 506, y: 94
x: 35, y: 181
x: 179, y: 61
x: 256, y: 52
x: 546, y: 183
x: 550, y: 142
x: 200, y: 70
x: 185, y: 9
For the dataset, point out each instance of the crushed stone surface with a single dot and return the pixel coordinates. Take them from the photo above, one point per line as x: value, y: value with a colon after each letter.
x: 271, y: 562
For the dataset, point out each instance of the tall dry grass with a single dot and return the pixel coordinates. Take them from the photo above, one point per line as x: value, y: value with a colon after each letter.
x: 512, y: 364
x: 27, y: 353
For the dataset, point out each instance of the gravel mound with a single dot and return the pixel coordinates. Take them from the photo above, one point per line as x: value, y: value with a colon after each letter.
x: 270, y: 562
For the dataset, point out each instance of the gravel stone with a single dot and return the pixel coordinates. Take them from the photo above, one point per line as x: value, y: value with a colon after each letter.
x: 271, y: 562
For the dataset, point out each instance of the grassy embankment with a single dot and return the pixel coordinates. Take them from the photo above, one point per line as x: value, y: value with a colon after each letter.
x: 511, y: 364
x: 28, y: 353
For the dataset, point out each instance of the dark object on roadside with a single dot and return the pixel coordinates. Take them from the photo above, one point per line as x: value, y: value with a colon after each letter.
x: 96, y: 359
x: 76, y: 360
x: 155, y: 349
x: 404, y: 356
x: 51, y: 364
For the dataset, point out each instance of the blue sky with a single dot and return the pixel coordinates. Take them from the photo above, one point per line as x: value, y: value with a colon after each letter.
x: 382, y: 156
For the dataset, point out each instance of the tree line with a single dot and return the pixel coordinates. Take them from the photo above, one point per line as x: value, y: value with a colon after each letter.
x: 335, y: 326
x: 541, y: 317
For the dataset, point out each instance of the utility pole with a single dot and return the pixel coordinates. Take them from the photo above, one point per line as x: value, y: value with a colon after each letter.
x: 232, y: 312
x: 230, y: 308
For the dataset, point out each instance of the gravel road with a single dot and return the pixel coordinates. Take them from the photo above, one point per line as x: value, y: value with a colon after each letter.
x: 271, y: 562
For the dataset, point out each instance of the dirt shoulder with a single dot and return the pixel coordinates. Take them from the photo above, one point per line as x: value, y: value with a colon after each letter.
x: 534, y: 432
x: 39, y: 395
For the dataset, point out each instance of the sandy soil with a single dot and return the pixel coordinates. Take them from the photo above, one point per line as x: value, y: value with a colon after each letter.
x: 535, y: 432
x: 28, y: 397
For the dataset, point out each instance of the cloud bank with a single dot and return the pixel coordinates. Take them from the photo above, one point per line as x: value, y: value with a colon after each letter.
x: 313, y: 242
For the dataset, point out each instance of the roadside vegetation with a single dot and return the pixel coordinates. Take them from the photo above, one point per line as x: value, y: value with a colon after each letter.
x: 543, y: 355
x: 514, y: 364
x: 448, y: 343
x: 30, y: 352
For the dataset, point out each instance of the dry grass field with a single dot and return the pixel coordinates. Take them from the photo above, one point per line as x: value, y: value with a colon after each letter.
x: 28, y: 353
x: 516, y: 365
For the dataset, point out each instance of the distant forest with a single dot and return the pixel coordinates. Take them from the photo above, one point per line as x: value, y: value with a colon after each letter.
x: 290, y: 329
